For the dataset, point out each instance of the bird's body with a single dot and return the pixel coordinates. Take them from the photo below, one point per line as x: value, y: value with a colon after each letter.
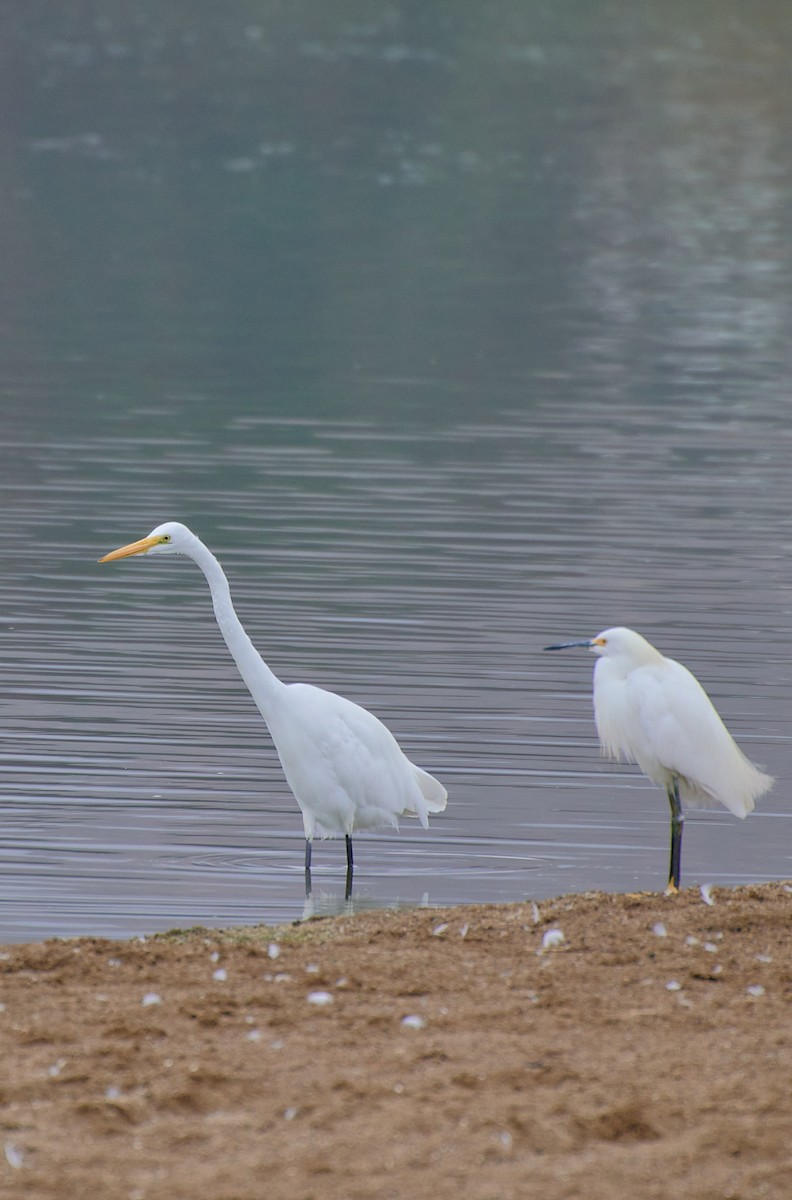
x: 345, y: 768
x: 650, y: 710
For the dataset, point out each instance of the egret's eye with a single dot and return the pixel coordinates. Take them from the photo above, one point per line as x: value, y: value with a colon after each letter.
x: 165, y: 538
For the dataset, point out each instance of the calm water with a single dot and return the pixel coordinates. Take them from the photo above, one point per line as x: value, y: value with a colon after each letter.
x: 453, y: 330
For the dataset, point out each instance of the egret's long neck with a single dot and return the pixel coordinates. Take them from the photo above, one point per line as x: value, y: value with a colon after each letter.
x: 263, y: 684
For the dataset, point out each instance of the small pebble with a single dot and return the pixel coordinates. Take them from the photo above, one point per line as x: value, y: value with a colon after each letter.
x: 673, y: 985
x: 253, y: 1036
x: 438, y: 929
x: 220, y: 975
x: 464, y: 931
x: 273, y: 950
x: 711, y: 948
x: 151, y: 998
x: 112, y: 1092
x: 706, y: 893
x: 535, y: 912
x: 765, y: 958
x: 755, y: 989
x: 14, y: 1157
x: 290, y: 1114
x: 319, y: 998
x: 413, y: 1022
x: 690, y: 940
x: 659, y: 929
x: 552, y: 938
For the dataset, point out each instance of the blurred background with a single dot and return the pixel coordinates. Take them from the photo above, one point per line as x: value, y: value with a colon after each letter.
x: 453, y: 330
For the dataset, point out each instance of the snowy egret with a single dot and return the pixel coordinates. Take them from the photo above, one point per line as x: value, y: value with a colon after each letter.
x: 652, y: 711
x: 346, y: 769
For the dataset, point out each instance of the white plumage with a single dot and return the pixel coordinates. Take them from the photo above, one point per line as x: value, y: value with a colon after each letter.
x: 344, y: 766
x: 346, y: 769
x: 652, y: 711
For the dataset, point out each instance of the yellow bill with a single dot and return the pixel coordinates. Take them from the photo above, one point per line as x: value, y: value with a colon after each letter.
x: 133, y: 548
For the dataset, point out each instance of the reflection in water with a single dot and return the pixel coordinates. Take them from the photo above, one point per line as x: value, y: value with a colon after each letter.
x: 333, y: 904
x: 350, y: 869
x: 464, y: 329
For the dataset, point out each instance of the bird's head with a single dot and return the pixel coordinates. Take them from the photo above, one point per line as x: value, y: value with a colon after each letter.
x: 170, y: 538
x: 618, y: 642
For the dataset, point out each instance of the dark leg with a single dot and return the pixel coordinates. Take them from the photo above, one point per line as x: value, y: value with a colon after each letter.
x: 307, y: 867
x: 677, y: 822
x: 350, y: 868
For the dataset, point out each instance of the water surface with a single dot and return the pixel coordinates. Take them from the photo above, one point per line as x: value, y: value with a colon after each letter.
x: 453, y: 333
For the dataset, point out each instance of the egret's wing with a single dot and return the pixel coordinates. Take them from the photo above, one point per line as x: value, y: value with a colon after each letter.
x: 343, y: 765
x: 384, y: 778
x: 683, y: 735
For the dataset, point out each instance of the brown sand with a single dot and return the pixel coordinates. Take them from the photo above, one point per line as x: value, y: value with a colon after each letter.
x: 577, y: 1071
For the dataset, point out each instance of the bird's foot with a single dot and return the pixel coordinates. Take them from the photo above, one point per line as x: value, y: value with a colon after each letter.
x: 672, y: 889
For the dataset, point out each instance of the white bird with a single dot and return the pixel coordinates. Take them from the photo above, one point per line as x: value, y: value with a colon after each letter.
x: 652, y: 711
x: 346, y: 769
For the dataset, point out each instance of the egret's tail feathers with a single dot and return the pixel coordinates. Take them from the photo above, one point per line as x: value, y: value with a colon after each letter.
x: 738, y: 792
x: 433, y: 796
x: 754, y: 784
x: 432, y: 790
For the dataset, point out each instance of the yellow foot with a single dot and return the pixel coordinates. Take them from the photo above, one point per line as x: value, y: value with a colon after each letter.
x: 672, y: 889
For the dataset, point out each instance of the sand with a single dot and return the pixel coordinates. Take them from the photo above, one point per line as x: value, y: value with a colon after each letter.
x: 644, y: 1050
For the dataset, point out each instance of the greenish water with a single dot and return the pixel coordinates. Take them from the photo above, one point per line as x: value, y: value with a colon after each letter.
x: 453, y: 330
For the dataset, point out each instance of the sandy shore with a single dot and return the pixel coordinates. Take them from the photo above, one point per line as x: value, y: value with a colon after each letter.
x: 434, y: 1053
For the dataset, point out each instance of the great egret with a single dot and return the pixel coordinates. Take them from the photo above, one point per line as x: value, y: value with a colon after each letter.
x: 652, y: 711
x: 346, y: 769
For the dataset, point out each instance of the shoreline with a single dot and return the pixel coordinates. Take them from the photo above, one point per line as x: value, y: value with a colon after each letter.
x: 645, y: 1047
